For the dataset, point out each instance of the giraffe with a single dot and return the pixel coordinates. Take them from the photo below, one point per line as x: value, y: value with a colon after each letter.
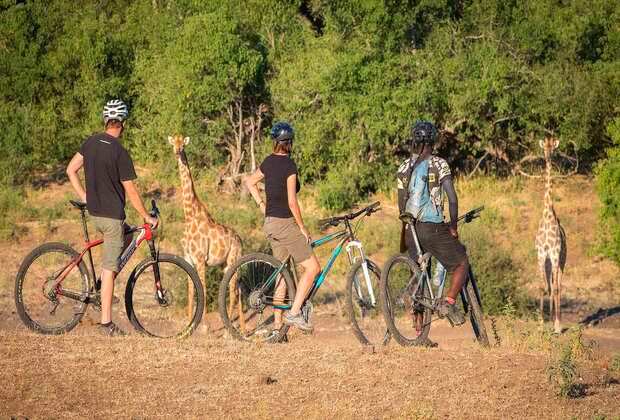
x: 550, y: 244
x: 205, y: 242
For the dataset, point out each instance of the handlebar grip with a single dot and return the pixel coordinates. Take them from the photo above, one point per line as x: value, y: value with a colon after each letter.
x: 154, y: 209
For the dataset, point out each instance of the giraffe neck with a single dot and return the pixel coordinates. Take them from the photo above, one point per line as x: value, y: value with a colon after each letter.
x: 548, y: 202
x: 190, y: 200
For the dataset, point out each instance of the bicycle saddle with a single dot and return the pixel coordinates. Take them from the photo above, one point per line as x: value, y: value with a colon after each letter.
x: 78, y: 204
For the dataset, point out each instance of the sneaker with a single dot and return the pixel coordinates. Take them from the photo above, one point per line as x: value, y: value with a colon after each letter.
x: 454, y: 315
x: 297, y: 321
x: 111, y: 330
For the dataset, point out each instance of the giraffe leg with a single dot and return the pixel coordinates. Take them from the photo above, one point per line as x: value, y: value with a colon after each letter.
x: 543, y: 289
x: 234, y: 293
x: 551, y: 295
x: 558, y: 285
x: 190, y: 289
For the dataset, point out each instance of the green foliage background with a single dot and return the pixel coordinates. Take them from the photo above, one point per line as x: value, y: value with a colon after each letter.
x: 350, y: 75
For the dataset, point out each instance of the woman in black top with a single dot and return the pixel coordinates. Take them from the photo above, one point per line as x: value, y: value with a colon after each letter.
x: 284, y: 226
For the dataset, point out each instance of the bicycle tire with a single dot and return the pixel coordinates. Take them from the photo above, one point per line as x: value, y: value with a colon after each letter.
x: 352, y: 296
x: 24, y: 314
x: 476, y: 317
x: 268, y: 262
x: 387, y: 305
x: 138, y: 318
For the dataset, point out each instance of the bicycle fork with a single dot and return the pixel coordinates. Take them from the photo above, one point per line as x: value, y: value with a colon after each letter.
x: 353, y: 258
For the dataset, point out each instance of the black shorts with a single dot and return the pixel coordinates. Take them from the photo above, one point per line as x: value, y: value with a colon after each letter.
x: 436, y: 239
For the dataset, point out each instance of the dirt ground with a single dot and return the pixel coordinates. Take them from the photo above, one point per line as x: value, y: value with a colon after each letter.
x: 326, y: 375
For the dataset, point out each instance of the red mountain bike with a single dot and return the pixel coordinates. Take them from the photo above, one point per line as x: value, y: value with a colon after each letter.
x: 54, y: 286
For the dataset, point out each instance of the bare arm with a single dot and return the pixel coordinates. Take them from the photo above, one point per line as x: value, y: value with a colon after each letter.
x: 291, y: 190
x: 250, y: 183
x: 72, y: 172
x: 136, y: 202
x: 453, y: 203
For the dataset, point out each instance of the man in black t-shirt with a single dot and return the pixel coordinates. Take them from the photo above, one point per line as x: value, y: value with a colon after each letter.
x: 109, y: 175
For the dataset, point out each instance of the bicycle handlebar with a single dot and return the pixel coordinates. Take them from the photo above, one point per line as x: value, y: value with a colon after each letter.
x: 336, y: 220
x: 471, y: 215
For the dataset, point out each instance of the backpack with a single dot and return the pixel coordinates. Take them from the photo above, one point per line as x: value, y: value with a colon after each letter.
x: 418, y: 201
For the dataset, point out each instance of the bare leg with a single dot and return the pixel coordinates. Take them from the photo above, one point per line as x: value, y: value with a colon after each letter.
x: 107, y: 291
x: 279, y: 295
x: 458, y: 279
x: 311, y: 269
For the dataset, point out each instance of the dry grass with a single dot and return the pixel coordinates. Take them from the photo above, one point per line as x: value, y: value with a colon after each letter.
x: 326, y: 376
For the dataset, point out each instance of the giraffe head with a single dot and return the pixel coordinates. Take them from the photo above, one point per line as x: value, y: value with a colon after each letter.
x: 178, y: 142
x: 549, y: 144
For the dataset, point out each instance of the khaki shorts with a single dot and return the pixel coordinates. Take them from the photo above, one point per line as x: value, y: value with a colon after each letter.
x: 113, y: 231
x: 286, y: 238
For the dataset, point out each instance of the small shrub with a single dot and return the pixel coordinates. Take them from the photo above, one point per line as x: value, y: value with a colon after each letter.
x: 562, y: 370
x: 496, y: 272
x: 614, y: 364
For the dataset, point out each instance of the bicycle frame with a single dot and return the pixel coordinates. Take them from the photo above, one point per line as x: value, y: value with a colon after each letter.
x: 424, y: 261
x: 346, y: 236
x: 146, y: 233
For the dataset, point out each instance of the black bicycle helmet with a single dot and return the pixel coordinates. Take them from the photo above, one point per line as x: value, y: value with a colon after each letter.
x: 423, y: 132
x: 282, y: 132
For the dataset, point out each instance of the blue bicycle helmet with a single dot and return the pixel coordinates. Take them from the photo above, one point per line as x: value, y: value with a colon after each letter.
x: 282, y: 132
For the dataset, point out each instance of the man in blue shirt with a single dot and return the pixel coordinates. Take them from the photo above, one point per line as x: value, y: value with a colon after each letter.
x: 422, y: 180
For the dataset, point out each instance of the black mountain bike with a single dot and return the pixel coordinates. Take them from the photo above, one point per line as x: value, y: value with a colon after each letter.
x: 54, y: 286
x: 407, y: 290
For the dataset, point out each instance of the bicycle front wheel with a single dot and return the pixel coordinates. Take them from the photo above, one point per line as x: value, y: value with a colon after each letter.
x: 476, y: 317
x: 164, y: 314
x: 39, y: 300
x: 363, y: 306
x: 402, y: 290
x: 248, y: 294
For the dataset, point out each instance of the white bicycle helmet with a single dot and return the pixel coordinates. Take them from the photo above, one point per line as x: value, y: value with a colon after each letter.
x: 115, y: 110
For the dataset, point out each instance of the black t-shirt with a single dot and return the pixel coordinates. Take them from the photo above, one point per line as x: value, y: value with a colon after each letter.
x: 106, y: 164
x: 277, y: 168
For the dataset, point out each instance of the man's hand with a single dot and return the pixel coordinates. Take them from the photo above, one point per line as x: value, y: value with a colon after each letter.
x: 153, y: 221
x: 263, y: 207
x: 453, y: 231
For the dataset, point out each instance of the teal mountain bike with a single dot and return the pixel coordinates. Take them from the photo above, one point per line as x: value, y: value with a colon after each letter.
x: 255, y: 277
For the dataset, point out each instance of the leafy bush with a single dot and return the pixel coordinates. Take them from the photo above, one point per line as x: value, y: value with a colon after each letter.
x: 608, y: 188
x: 496, y: 272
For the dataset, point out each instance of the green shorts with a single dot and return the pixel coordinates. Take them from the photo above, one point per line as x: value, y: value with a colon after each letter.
x: 286, y: 238
x: 113, y: 231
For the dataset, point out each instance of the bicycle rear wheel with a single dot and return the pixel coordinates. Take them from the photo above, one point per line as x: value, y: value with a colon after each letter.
x: 365, y: 316
x: 40, y: 304
x: 401, y: 288
x: 166, y: 316
x: 246, y: 301
x: 472, y: 304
